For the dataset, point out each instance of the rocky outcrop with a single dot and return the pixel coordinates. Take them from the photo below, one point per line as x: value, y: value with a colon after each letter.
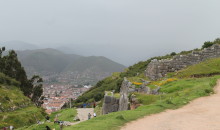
x: 159, y: 68
x: 123, y: 101
x: 156, y: 91
x: 144, y: 89
x: 110, y: 104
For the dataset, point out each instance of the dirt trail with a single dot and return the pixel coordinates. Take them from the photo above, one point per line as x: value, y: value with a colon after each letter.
x: 201, y: 114
x: 82, y: 113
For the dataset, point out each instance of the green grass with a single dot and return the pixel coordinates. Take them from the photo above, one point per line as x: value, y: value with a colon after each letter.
x: 176, y: 94
x: 64, y: 115
x: 16, y: 109
x: 206, y: 68
x: 12, y: 97
x: 146, y: 99
x: 22, y: 117
x: 41, y: 126
x: 98, y: 110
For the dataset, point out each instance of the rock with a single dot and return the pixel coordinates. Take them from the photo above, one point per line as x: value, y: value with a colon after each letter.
x: 155, y: 91
x: 123, y: 101
x: 107, y: 99
x: 76, y: 118
x: 66, y: 123
x: 110, y: 104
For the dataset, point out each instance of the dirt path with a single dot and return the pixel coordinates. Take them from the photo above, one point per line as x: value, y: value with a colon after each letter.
x: 201, y: 114
x: 82, y: 113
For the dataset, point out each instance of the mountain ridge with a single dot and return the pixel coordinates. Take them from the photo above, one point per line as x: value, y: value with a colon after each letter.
x: 49, y: 61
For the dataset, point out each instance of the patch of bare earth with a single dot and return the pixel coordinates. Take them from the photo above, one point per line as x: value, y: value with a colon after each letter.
x: 82, y: 113
x: 200, y: 114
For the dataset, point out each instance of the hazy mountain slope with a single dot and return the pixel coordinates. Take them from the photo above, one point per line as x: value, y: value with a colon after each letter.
x: 45, y: 60
x: 18, y: 45
x: 96, y: 63
x: 67, y: 67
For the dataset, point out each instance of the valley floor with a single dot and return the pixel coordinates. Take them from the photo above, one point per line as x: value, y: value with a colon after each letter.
x: 201, y: 114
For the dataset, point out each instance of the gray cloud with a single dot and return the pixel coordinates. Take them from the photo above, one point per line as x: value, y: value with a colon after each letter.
x: 124, y: 30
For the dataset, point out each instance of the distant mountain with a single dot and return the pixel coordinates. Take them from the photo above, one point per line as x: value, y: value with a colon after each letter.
x: 58, y: 67
x: 18, y: 45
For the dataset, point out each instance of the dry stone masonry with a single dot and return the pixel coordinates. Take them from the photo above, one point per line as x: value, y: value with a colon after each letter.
x: 159, y: 68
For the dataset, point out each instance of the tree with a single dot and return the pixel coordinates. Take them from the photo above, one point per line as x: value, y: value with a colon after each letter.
x: 37, y: 89
x: 207, y: 44
x: 173, y: 53
x: 11, y: 66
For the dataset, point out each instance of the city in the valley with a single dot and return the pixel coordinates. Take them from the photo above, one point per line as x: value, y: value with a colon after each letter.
x: 57, y: 95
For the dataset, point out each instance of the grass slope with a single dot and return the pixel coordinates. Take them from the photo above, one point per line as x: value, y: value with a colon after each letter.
x: 64, y: 115
x: 207, y: 68
x: 16, y: 109
x: 22, y: 117
x: 177, y: 94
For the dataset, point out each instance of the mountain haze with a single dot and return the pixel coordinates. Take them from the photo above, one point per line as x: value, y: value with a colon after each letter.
x: 18, y: 45
x: 56, y: 66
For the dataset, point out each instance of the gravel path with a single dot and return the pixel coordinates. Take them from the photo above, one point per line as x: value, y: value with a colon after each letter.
x: 82, y: 113
x: 201, y: 114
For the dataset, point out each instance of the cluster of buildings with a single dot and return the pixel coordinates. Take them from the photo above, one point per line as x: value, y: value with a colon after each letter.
x: 56, y: 96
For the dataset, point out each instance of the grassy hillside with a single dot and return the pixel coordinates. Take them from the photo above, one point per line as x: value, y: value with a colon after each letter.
x: 21, y: 117
x: 16, y: 109
x: 133, y: 73
x: 177, y: 94
x: 114, y: 82
x: 207, y: 68
x: 196, y: 81
x: 62, y: 115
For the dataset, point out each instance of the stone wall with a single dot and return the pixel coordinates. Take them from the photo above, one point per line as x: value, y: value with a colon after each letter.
x: 110, y: 104
x: 159, y: 68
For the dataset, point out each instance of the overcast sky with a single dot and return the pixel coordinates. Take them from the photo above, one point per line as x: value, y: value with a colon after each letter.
x: 126, y: 31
